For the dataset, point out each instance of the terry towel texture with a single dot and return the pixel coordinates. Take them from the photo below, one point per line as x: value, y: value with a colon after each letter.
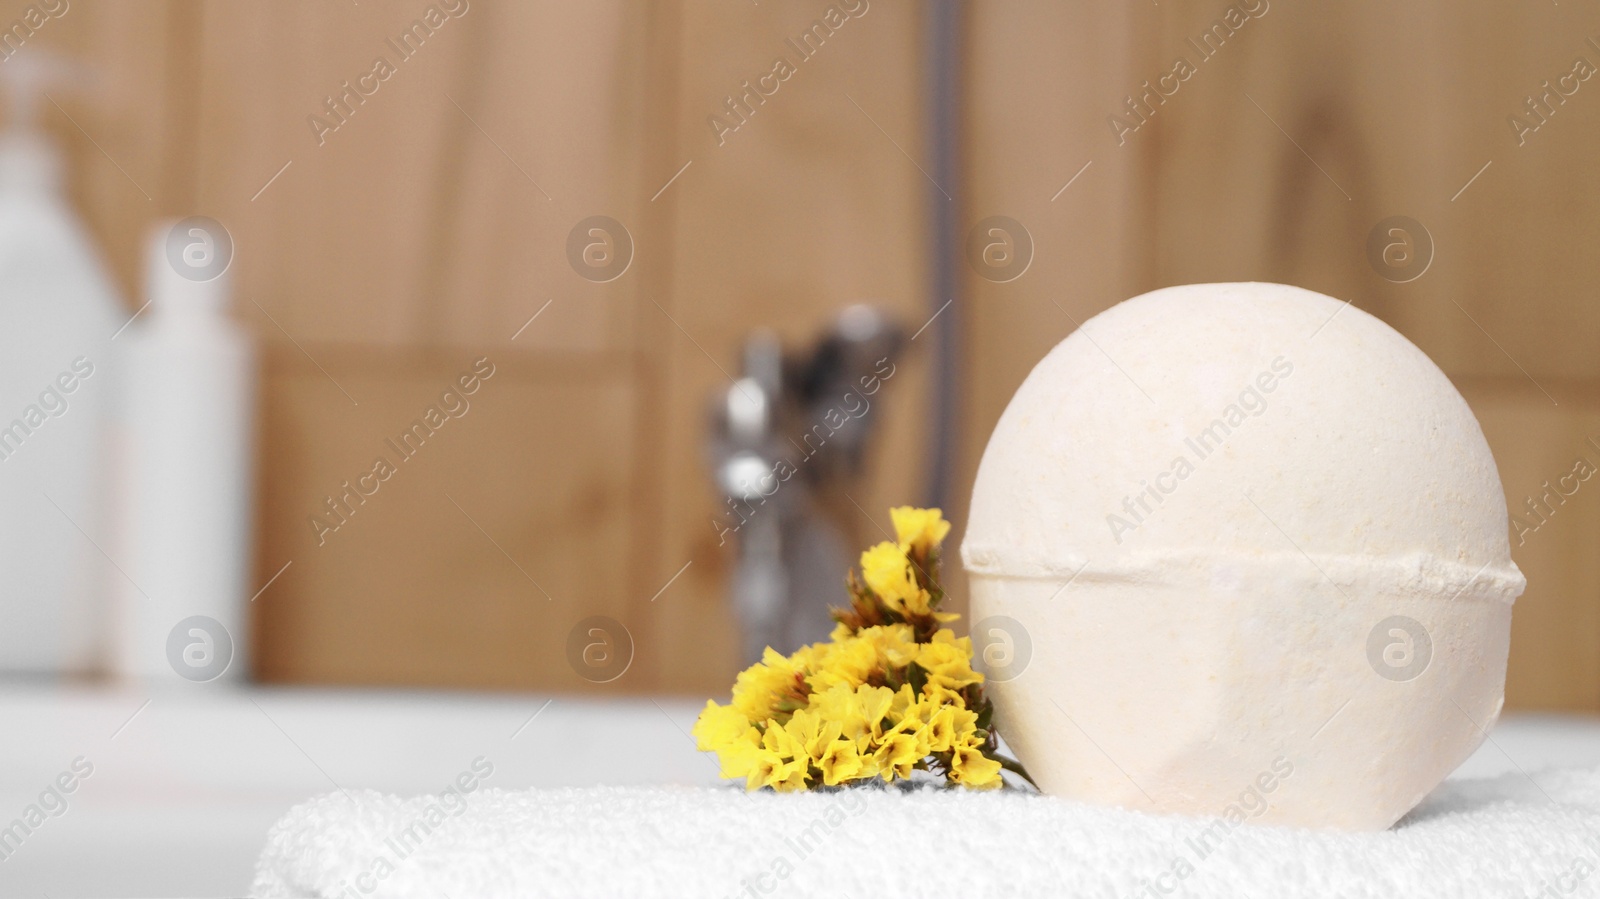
x: 1508, y: 836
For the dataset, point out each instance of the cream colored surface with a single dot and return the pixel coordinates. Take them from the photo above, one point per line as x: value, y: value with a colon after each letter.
x: 1199, y: 506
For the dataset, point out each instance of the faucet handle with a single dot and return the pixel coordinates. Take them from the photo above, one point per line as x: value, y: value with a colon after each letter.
x: 861, y: 336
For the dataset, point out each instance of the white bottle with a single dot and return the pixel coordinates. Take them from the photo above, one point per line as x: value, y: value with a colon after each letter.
x: 58, y: 313
x: 188, y: 408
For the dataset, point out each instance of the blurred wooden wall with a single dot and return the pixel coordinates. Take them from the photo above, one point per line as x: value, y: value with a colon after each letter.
x: 380, y: 257
x: 426, y: 231
x: 1287, y: 143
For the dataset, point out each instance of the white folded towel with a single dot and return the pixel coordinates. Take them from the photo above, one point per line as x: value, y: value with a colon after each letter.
x: 1509, y: 836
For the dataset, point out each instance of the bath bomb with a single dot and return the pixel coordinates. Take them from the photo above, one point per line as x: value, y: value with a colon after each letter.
x: 1240, y: 550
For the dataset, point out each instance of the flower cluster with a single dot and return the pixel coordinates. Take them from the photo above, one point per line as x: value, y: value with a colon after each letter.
x: 892, y: 692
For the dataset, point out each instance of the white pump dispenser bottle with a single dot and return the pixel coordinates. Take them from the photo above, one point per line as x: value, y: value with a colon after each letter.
x: 58, y: 314
x: 188, y: 423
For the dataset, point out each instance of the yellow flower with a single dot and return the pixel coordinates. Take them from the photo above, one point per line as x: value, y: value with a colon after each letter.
x: 738, y: 759
x: 761, y: 688
x: 768, y: 769
x: 942, y: 732
x: 888, y: 573
x: 948, y: 661
x: 951, y: 725
x: 906, y: 742
x: 840, y: 761
x: 894, y: 645
x: 859, y: 713
x: 898, y: 754
x: 919, y: 530
x: 776, y: 738
x: 718, y: 725
x: 905, y: 706
x: 838, y: 703
x: 780, y: 763
x: 971, y: 767
x: 739, y: 755
x: 724, y: 730
x: 825, y: 715
x: 848, y: 662
x: 965, y: 722
x: 812, y: 732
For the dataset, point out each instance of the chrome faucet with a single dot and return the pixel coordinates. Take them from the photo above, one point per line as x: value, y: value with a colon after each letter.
x: 789, y: 439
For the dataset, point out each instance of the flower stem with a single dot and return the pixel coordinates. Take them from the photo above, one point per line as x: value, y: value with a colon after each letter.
x: 1016, y: 768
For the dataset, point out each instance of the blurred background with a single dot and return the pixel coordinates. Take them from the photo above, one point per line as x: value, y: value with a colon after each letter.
x: 680, y: 235
x: 379, y: 257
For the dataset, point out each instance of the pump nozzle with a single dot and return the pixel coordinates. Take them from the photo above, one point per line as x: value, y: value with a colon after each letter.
x: 28, y: 159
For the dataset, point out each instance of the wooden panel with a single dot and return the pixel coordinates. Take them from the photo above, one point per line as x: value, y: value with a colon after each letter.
x: 1555, y: 632
x: 1288, y: 142
x: 471, y: 561
x: 437, y: 215
x: 389, y: 239
x: 438, y: 210
x: 1321, y: 121
x: 811, y: 205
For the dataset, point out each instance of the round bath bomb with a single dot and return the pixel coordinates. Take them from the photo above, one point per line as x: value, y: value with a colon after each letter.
x: 1244, y: 548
